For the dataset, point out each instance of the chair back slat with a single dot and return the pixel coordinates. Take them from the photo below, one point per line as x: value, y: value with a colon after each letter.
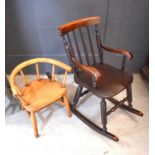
x: 84, y: 47
x: 37, y: 71
x: 64, y: 78
x: 23, y: 77
x: 69, y: 53
x: 91, y: 44
x: 98, y: 40
x: 70, y: 44
x: 77, y: 47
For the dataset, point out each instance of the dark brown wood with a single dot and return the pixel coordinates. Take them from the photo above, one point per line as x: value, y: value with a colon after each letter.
x: 103, y: 113
x: 124, y: 52
x: 70, y: 44
x: 99, y: 78
x: 116, y: 106
x: 93, y: 125
x: 77, y: 47
x: 91, y: 45
x: 63, y: 29
x: 84, y: 93
x: 129, y: 96
x: 69, y: 55
x: 98, y: 40
x: 77, y: 95
x: 123, y: 63
x: 123, y: 106
x: 84, y: 46
x: 110, y: 81
x: 92, y: 71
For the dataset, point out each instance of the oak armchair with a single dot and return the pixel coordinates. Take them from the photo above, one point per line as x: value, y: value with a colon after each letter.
x: 42, y: 92
x: 92, y: 73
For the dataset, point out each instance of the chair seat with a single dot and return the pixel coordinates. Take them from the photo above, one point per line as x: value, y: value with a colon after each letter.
x: 111, y: 82
x: 41, y: 93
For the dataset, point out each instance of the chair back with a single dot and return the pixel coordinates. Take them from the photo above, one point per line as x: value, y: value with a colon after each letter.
x: 36, y: 61
x: 82, y: 40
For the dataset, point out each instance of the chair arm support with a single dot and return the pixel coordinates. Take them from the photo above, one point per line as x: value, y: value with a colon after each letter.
x: 92, y: 71
x: 124, y: 52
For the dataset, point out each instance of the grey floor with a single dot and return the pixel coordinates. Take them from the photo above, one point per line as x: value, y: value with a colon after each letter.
x: 60, y: 135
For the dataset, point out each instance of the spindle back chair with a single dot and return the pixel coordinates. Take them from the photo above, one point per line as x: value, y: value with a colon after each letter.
x: 42, y: 92
x: 86, y: 56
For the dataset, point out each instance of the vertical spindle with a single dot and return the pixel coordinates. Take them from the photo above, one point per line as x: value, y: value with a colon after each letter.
x: 37, y: 70
x: 77, y: 47
x: 23, y: 77
x: 84, y: 46
x: 64, y: 78
x: 70, y: 44
x: 98, y: 39
x: 91, y: 44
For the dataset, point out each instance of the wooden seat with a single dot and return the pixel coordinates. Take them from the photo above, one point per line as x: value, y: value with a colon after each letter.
x: 111, y: 82
x: 85, y: 51
x: 42, y: 92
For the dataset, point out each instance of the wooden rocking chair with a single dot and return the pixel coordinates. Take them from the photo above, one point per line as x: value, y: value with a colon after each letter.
x: 40, y: 93
x: 92, y: 73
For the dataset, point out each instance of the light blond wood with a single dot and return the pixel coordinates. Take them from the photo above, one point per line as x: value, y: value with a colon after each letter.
x: 34, y: 61
x: 23, y: 77
x: 34, y: 124
x: 41, y: 92
x: 37, y: 70
x: 61, y: 102
x: 64, y: 79
x: 16, y: 89
x: 63, y: 29
x: 67, y: 105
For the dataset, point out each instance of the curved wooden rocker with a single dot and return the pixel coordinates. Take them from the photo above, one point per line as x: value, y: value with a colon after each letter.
x: 41, y: 92
x: 90, y: 71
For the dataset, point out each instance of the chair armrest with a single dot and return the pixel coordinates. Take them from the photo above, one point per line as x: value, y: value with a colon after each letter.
x: 124, y: 52
x: 92, y: 71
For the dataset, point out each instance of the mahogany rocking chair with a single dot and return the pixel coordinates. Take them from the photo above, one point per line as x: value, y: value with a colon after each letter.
x: 90, y: 71
x: 42, y: 92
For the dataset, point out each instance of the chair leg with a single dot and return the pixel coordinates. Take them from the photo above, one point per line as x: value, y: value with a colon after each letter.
x: 34, y: 124
x: 130, y: 107
x: 103, y: 107
x: 67, y: 105
x: 129, y: 96
x: 77, y: 96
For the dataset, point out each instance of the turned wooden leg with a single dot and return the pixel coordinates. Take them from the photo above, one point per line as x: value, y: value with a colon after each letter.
x: 67, y: 105
x: 129, y: 96
x: 103, y: 113
x: 77, y: 96
x: 34, y: 123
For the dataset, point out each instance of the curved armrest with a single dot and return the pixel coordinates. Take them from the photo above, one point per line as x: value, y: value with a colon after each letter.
x: 92, y: 71
x: 124, y: 52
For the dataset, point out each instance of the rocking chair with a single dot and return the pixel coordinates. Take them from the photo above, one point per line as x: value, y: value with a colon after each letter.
x: 90, y: 72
